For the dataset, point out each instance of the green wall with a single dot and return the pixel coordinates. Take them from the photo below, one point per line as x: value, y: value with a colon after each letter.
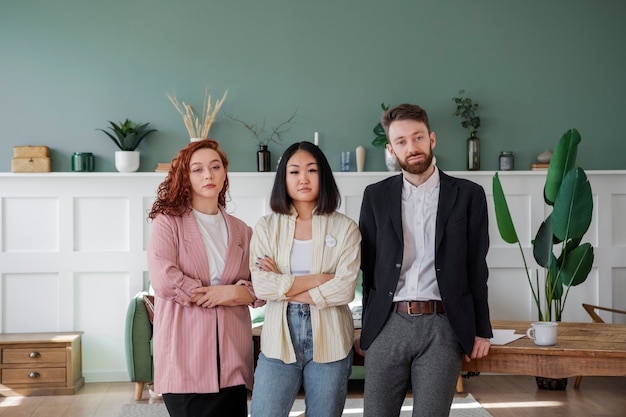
x: 537, y: 68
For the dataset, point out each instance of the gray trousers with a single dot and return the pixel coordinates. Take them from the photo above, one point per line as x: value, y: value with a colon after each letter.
x: 418, y: 352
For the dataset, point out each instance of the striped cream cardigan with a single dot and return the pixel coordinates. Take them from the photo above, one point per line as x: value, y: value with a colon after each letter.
x: 336, y: 249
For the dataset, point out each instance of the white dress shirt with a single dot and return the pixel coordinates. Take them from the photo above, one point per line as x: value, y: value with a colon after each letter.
x: 419, y: 217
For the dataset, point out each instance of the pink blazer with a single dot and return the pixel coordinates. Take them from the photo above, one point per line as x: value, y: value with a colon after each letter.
x: 186, y: 336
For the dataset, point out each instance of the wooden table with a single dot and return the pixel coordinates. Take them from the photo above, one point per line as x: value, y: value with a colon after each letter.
x: 582, y: 349
x: 587, y: 349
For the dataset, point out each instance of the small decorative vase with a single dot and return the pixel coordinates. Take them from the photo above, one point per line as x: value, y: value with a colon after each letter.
x: 82, y: 162
x: 473, y: 152
x: 391, y: 162
x: 360, y: 158
x: 544, y: 157
x: 127, y: 161
x: 263, y: 159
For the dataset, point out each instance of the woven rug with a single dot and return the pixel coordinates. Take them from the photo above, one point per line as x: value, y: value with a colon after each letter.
x: 462, y: 407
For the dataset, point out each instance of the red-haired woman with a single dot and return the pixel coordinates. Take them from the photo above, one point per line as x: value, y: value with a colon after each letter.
x: 198, y: 263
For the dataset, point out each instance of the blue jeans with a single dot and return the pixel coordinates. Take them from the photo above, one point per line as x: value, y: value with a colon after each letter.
x: 276, y: 384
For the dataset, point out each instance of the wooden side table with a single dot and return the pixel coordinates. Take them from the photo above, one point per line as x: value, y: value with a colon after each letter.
x: 41, y: 363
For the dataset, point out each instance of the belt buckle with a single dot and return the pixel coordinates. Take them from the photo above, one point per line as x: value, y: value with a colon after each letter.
x: 409, y: 312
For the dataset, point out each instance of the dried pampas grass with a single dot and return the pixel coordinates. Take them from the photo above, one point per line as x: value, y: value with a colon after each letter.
x: 198, y: 127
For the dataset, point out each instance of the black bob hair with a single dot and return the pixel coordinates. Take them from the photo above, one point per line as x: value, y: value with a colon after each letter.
x: 328, y: 199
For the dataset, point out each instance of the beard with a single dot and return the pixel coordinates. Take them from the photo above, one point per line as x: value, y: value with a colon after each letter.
x: 416, y: 168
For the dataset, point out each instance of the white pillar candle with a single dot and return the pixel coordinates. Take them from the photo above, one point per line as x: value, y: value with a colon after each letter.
x: 316, y: 139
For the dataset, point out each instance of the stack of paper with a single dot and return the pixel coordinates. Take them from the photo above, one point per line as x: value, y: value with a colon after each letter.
x: 504, y: 336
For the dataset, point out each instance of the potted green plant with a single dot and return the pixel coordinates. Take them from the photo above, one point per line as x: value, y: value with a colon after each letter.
x: 468, y: 111
x: 381, y: 141
x: 127, y: 136
x: 264, y: 137
x: 568, y: 191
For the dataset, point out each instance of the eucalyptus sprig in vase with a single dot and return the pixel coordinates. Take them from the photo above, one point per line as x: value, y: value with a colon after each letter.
x: 263, y: 138
x: 469, y: 112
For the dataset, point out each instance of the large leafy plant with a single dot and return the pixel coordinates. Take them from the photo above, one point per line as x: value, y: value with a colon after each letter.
x: 568, y: 191
x: 128, y: 135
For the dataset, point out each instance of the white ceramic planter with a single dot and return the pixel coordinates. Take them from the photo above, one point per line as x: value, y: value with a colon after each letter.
x: 391, y: 162
x: 127, y: 161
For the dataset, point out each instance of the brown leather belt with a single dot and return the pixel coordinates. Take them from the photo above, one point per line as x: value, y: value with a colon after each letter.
x: 416, y: 308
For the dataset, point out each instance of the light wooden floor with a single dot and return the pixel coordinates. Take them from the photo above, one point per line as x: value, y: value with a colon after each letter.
x: 501, y: 395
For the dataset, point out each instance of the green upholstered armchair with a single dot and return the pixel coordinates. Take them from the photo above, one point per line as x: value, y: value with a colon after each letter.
x: 138, y: 339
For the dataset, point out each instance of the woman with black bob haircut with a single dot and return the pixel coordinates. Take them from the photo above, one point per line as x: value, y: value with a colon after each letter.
x: 304, y: 259
x: 328, y: 199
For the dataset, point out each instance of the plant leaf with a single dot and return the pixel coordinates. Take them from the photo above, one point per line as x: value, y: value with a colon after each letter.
x: 563, y: 160
x: 542, y: 245
x: 577, y: 265
x: 379, y: 130
x: 556, y: 288
x: 503, y: 215
x: 113, y: 138
x: 573, y: 207
x: 380, y: 141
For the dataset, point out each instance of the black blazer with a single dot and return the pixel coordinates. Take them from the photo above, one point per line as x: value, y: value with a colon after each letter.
x: 461, y: 245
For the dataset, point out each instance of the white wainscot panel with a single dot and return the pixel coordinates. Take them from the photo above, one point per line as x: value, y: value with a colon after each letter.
x: 31, y: 302
x: 101, y: 224
x: 147, y: 224
x: 351, y: 206
x: 619, y: 297
x: 618, y: 220
x: 509, y: 295
x: 249, y: 208
x: 101, y: 301
x: 146, y: 281
x: 30, y: 224
x: 519, y: 206
x: 592, y: 235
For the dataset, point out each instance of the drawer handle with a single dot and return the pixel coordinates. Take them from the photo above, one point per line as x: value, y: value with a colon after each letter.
x: 34, y: 375
x: 34, y: 355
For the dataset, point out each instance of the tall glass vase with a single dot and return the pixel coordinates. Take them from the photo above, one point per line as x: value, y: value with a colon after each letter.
x: 473, y: 152
x: 263, y: 159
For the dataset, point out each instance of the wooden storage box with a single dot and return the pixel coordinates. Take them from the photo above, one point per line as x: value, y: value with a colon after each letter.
x: 31, y: 152
x: 30, y: 164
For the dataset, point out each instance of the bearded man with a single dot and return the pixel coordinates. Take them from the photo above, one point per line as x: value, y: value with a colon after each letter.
x: 424, y: 246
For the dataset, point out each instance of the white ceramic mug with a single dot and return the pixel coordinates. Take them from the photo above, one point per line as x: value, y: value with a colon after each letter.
x: 543, y: 333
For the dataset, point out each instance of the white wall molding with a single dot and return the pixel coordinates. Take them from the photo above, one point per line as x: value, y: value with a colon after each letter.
x: 72, y: 248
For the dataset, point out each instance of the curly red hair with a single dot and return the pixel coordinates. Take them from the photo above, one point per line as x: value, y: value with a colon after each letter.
x: 174, y: 193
